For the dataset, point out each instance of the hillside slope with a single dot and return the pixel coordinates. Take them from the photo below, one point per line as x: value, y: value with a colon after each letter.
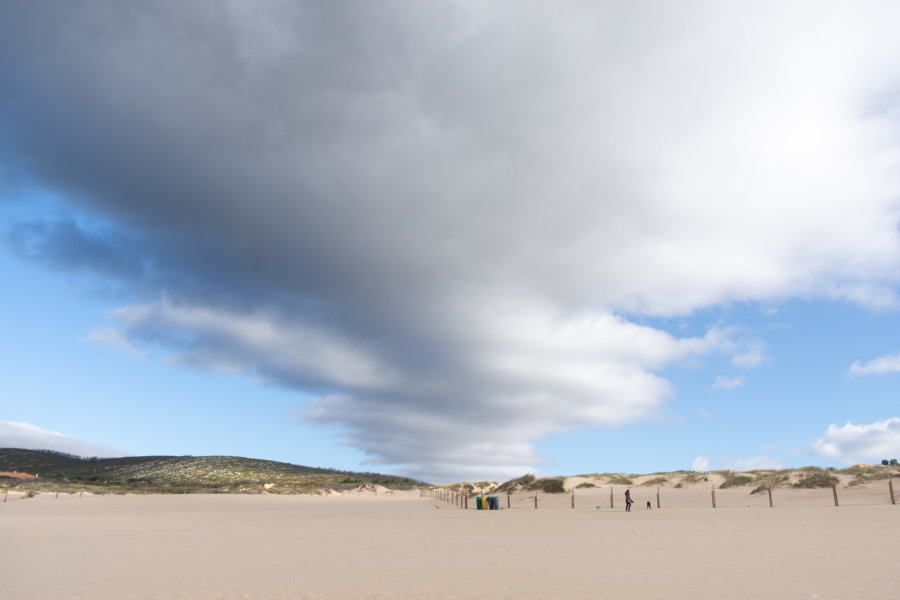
x: 222, y: 473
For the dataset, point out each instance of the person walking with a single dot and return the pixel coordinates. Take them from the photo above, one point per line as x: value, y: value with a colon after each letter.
x: 627, y: 500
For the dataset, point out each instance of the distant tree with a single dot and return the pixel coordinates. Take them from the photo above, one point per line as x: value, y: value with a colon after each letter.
x: 893, y: 462
x: 885, y: 462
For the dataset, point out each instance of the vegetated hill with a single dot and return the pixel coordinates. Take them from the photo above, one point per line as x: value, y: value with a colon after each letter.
x: 215, y: 473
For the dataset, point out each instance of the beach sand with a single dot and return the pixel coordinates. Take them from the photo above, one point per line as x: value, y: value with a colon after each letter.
x: 404, y: 546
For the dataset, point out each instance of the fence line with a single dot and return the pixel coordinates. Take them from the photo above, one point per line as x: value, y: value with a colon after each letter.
x: 872, y: 494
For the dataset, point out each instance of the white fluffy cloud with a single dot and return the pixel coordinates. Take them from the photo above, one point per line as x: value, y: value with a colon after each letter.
x: 721, y: 382
x: 751, y: 463
x: 530, y: 373
x: 878, y: 366
x: 29, y: 437
x: 860, y: 443
x: 701, y: 463
x: 116, y: 340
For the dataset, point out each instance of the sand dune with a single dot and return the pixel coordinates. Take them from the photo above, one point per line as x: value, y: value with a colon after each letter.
x: 404, y: 546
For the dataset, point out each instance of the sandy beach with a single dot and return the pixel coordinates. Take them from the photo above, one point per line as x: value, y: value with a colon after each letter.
x: 404, y: 546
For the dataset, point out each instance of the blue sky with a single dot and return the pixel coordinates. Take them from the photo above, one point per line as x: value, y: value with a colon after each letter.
x: 457, y: 241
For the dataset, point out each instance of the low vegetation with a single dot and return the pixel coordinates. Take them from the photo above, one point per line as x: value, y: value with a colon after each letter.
x: 180, y: 474
x: 64, y: 473
x: 691, y: 477
x: 655, y: 481
x: 820, y: 479
x: 620, y: 480
x: 550, y: 485
x: 520, y: 483
x: 769, y: 480
x: 863, y: 474
x: 736, y: 481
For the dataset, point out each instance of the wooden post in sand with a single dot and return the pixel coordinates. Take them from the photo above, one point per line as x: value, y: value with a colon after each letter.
x: 657, y: 497
x: 535, y: 499
x: 771, y: 504
x: 507, y: 500
x: 611, y: 497
x: 834, y: 490
x: 573, y: 498
x: 5, y: 495
x: 714, y: 495
x: 891, y: 488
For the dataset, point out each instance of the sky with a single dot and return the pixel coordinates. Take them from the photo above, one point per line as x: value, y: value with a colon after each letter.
x: 452, y: 240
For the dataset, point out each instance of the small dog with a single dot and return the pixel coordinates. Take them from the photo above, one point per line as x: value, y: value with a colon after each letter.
x: 648, y: 505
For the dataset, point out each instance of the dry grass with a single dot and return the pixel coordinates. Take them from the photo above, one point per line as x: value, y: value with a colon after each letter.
x: 817, y: 479
x: 620, y: 480
x: 655, y: 481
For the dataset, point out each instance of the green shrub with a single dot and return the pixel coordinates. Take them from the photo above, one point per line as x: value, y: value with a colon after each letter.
x: 620, y: 480
x: 525, y: 481
x: 694, y: 477
x: 769, y: 480
x: 817, y: 480
x: 586, y: 484
x: 736, y: 481
x: 655, y: 481
x: 550, y: 485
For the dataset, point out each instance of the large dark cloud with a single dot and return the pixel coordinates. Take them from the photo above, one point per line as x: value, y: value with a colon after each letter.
x: 427, y: 214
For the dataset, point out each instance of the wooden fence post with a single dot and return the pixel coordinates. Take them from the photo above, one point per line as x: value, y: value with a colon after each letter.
x: 771, y: 504
x: 714, y: 496
x: 611, y: 497
x: 507, y: 499
x: 891, y: 488
x: 573, y: 498
x: 535, y: 499
x: 657, y: 497
x: 834, y: 490
x: 5, y: 495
